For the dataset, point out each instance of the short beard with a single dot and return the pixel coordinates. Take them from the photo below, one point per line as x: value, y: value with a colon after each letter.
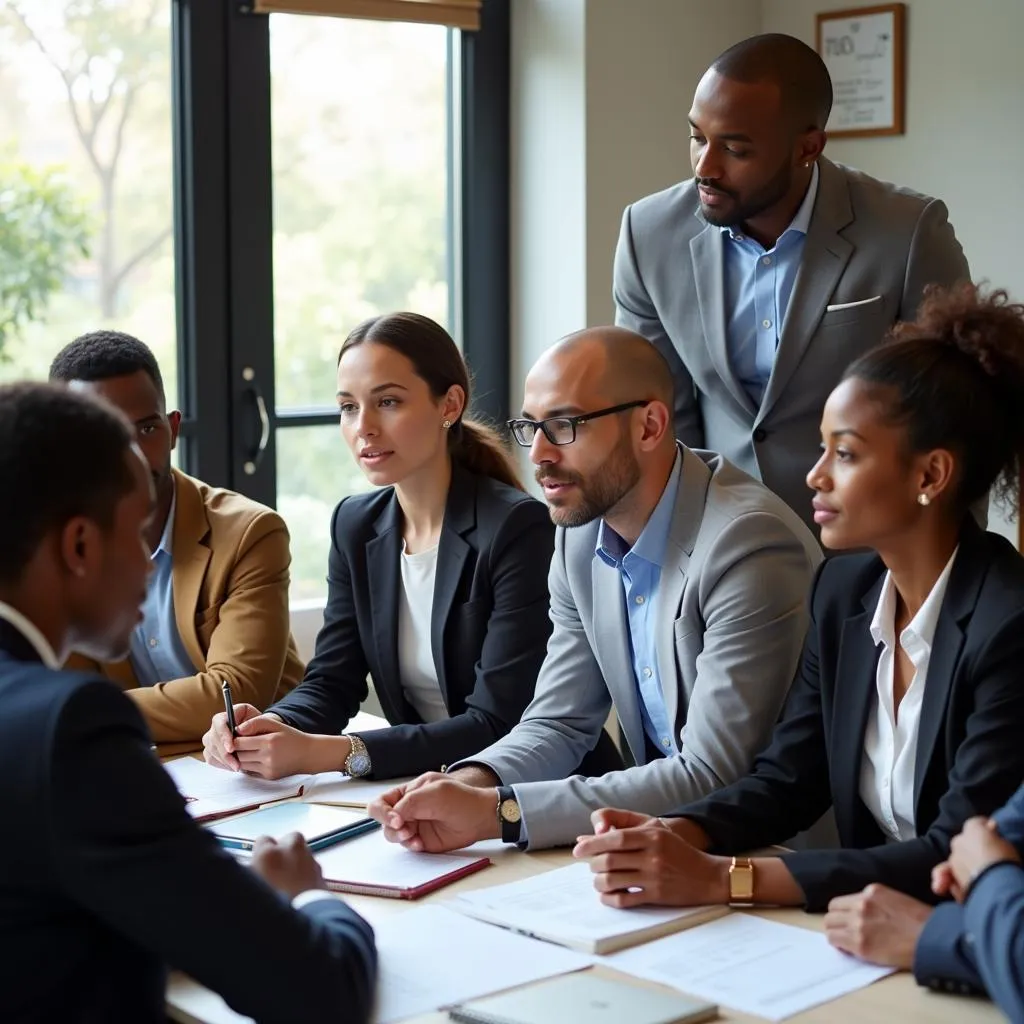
x: 617, y: 477
x: 772, y: 192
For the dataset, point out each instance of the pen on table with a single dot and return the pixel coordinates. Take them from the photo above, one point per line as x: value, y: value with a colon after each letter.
x: 229, y: 708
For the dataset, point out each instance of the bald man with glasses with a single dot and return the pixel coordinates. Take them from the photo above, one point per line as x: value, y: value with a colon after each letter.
x: 678, y: 590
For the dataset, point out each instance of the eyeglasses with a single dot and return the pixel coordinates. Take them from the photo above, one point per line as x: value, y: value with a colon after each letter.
x: 562, y: 429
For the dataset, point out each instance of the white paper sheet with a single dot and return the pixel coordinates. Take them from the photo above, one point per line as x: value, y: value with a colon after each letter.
x: 469, y: 959
x: 752, y: 965
x: 562, y: 906
x: 345, y: 791
x: 363, y: 721
x: 211, y: 791
x: 372, y: 860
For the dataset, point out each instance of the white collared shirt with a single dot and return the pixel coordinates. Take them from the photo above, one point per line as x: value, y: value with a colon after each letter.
x: 31, y: 633
x: 890, y: 740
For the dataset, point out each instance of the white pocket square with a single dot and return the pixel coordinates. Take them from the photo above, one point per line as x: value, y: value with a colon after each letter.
x: 852, y: 305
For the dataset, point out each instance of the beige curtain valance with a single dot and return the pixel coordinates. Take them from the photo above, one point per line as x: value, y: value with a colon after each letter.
x: 464, y: 14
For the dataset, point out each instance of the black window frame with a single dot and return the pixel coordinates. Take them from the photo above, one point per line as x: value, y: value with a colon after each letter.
x: 224, y: 234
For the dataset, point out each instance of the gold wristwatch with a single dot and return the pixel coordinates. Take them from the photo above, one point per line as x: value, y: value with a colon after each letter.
x: 358, y: 761
x: 741, y: 882
x: 509, y: 815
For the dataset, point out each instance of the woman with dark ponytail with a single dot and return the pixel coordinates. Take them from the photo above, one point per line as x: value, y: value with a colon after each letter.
x: 906, y: 716
x: 437, y: 582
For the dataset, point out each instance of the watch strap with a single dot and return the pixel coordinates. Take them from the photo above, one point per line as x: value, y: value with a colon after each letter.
x: 510, y: 830
x: 358, y: 761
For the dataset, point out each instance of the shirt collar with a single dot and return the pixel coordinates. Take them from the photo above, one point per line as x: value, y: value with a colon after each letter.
x: 31, y: 633
x: 802, y: 220
x: 923, y: 624
x: 650, y: 545
x: 166, y: 544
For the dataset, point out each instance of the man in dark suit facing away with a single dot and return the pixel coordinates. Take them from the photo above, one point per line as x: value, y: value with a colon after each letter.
x: 104, y: 877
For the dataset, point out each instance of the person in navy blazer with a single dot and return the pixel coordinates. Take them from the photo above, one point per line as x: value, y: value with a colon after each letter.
x: 105, y: 879
x: 437, y: 584
x: 905, y: 715
x: 969, y: 945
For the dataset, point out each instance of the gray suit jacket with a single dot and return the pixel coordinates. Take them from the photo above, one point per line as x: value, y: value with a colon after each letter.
x: 870, y: 250
x: 731, y: 620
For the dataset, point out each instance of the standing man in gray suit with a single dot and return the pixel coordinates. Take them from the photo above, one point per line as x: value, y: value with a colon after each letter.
x: 678, y: 587
x: 770, y: 270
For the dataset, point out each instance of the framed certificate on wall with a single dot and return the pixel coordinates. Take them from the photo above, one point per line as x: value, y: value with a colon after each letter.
x: 863, y: 49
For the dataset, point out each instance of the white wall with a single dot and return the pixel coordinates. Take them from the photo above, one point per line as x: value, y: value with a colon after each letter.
x: 964, y: 139
x: 601, y: 89
x: 600, y: 93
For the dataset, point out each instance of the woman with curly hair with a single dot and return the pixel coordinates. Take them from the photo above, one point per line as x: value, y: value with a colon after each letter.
x: 905, y: 714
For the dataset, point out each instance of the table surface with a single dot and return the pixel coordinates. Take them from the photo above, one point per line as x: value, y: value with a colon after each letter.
x: 895, y: 996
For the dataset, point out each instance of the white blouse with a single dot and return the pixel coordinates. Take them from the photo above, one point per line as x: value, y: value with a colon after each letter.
x: 415, y: 652
x: 890, y: 740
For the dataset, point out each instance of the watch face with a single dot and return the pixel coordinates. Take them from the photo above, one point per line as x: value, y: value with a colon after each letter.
x: 510, y: 810
x: 359, y: 764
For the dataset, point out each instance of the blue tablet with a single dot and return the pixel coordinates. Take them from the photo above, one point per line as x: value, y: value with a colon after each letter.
x: 319, y: 824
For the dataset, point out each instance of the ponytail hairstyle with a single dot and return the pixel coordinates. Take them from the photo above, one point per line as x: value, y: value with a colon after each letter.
x: 438, y: 362
x: 954, y: 378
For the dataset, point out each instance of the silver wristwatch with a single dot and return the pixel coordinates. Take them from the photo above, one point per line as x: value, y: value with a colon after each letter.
x: 358, y: 761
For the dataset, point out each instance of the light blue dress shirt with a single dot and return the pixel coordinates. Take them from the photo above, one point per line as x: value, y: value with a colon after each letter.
x: 157, y: 653
x: 640, y: 571
x: 639, y: 568
x: 758, y: 285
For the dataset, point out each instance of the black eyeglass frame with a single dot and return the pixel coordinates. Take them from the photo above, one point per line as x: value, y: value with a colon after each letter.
x: 573, y: 421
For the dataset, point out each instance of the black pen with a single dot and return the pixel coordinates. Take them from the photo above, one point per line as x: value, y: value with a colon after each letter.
x: 230, y: 709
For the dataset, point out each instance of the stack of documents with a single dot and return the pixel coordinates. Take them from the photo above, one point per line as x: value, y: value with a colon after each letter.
x: 561, y: 906
x: 755, y: 966
x: 343, y: 790
x: 213, y: 792
x: 475, y: 960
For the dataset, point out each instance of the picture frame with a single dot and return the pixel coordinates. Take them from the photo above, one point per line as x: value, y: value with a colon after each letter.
x: 864, y: 51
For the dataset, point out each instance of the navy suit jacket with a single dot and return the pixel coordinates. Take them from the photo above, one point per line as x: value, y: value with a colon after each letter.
x: 979, y: 946
x: 105, y: 879
x: 969, y: 756
x: 489, y: 626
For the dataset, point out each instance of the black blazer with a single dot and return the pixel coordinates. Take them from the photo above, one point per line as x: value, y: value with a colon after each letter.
x: 104, y: 878
x: 489, y: 625
x: 970, y: 748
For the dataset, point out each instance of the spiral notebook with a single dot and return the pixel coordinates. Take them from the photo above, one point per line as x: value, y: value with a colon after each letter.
x: 371, y: 866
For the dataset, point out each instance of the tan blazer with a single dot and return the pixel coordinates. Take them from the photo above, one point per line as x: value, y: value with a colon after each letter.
x: 230, y: 581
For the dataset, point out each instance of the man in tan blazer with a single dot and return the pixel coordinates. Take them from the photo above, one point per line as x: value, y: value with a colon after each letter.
x: 217, y: 601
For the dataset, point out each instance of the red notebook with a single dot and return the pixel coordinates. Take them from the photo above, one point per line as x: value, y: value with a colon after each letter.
x: 371, y: 866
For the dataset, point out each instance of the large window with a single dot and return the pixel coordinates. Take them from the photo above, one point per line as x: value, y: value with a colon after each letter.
x: 359, y: 118
x: 86, y: 173
x: 240, y: 190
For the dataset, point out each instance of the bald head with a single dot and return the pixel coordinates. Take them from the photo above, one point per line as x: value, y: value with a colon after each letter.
x: 803, y: 81
x: 616, y: 364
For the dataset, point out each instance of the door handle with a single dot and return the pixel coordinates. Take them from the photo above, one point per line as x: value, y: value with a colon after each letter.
x: 254, y: 455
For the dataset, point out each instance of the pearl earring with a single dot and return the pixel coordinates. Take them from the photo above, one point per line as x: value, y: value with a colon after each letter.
x: 923, y: 499
x: 446, y: 424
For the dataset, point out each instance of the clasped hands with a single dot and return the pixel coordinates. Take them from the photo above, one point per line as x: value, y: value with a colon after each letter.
x: 883, y: 925
x: 636, y: 859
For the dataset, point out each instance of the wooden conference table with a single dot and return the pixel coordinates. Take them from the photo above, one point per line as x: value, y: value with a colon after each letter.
x: 897, y: 997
